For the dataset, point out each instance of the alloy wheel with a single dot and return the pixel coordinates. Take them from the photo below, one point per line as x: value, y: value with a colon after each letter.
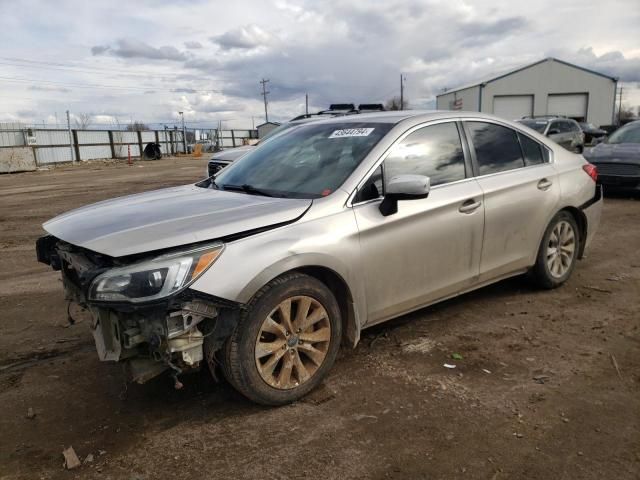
x: 561, y: 249
x: 293, y: 342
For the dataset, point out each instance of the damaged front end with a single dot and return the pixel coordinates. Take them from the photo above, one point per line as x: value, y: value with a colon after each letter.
x: 143, y: 311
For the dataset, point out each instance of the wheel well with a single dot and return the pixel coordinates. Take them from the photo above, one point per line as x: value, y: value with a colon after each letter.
x: 581, y: 220
x: 341, y: 291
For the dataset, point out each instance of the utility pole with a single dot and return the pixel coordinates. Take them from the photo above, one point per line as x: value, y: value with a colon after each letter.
x: 620, y: 107
x: 402, y: 79
x: 264, y: 95
x: 70, y: 137
x: 184, y: 134
x: 306, y: 104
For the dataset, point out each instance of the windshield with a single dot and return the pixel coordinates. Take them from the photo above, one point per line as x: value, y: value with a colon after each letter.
x: 537, y: 125
x: 627, y: 134
x: 307, y: 162
x: 589, y: 126
x: 277, y: 130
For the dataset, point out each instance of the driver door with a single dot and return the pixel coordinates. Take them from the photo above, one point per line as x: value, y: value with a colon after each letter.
x: 431, y: 247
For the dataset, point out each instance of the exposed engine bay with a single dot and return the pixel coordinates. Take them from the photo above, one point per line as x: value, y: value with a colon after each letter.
x: 168, y: 334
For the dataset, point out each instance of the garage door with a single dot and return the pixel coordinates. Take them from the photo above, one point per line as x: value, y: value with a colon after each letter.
x: 572, y: 105
x: 513, y: 107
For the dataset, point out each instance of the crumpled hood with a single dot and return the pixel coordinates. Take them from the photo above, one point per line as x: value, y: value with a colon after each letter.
x: 169, y: 218
x: 615, y: 152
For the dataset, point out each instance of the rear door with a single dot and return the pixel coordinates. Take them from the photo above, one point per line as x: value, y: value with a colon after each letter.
x: 521, y: 191
x: 431, y: 247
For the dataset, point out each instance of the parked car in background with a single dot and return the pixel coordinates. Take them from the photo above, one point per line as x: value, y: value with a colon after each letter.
x: 618, y: 159
x: 265, y: 272
x: 564, y: 131
x: 592, y: 134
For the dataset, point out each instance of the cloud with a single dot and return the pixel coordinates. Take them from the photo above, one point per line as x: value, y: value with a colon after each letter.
x: 184, y: 90
x: 192, y: 45
x: 612, y: 63
x: 100, y: 49
x: 245, y: 38
x: 48, y: 89
x: 477, y: 33
x: 130, y: 48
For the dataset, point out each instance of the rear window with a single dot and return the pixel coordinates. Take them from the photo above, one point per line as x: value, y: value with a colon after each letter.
x: 497, y: 147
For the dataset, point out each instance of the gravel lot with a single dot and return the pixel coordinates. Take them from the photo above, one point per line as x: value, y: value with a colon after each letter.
x: 536, y: 394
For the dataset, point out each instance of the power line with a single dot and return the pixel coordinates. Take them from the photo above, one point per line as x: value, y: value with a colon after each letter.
x: 96, y: 86
x: 94, y: 72
x: 42, y: 64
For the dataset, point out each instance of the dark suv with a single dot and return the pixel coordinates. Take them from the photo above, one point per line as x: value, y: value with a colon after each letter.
x: 564, y: 131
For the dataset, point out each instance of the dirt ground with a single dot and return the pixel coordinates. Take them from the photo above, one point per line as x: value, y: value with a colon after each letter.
x: 536, y: 395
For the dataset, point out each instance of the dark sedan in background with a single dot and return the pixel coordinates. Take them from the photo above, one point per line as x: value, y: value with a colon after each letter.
x: 592, y: 134
x: 618, y: 159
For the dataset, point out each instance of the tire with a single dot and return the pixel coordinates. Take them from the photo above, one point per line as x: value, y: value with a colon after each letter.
x: 298, y: 360
x: 547, y: 272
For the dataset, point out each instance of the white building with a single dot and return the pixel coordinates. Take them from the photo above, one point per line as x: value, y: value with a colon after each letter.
x: 547, y: 87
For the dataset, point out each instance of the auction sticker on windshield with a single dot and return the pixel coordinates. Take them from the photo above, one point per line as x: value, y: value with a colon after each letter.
x: 351, y: 132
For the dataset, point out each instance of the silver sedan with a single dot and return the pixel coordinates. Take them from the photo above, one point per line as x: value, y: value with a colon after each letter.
x: 334, y: 226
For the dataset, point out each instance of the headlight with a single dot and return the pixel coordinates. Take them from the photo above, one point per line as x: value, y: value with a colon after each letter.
x: 153, y: 279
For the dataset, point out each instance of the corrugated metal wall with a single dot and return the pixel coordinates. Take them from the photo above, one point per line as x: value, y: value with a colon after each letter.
x: 53, y: 145
x: 11, y: 138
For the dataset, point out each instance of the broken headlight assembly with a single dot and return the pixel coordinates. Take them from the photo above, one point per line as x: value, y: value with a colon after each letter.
x: 154, y: 279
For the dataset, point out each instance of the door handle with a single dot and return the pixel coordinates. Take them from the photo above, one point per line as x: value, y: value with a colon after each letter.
x: 469, y: 206
x: 544, y: 184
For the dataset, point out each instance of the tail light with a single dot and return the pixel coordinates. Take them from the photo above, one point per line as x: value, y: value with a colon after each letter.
x: 591, y: 170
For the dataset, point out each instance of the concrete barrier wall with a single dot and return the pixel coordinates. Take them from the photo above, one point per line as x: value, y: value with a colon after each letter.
x: 17, y: 159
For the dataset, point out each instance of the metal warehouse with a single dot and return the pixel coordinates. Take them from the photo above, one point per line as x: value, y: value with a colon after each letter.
x: 547, y: 87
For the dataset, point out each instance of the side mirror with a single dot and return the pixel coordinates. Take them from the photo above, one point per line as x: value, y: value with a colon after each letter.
x: 404, y: 187
x: 553, y: 132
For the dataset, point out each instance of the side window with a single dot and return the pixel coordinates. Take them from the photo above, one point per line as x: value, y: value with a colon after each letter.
x: 497, y: 148
x: 564, y: 127
x: 533, y: 153
x: 372, y: 188
x: 434, y: 151
x: 554, y: 126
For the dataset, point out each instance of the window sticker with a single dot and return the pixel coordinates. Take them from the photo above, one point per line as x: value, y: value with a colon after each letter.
x: 352, y: 132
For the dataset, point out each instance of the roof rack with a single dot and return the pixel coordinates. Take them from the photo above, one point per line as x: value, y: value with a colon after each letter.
x: 338, y: 109
x: 371, y: 107
x: 342, y: 106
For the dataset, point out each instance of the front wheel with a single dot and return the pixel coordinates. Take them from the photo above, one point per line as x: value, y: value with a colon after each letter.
x: 286, y: 341
x: 558, y: 252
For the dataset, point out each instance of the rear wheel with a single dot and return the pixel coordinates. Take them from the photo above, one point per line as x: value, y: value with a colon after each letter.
x: 558, y: 252
x: 286, y: 341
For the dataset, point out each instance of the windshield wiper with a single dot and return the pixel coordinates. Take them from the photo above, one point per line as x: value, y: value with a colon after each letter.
x: 250, y: 189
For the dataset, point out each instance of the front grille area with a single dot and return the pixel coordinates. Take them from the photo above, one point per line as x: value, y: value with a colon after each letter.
x: 621, y: 169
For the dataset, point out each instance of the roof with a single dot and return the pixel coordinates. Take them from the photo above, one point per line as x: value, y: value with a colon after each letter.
x: 377, y: 117
x: 398, y: 116
x: 518, y: 69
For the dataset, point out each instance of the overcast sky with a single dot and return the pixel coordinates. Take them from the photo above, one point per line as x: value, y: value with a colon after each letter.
x: 146, y: 60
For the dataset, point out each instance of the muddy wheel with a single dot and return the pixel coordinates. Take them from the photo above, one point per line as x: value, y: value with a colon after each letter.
x: 558, y: 252
x: 286, y: 341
